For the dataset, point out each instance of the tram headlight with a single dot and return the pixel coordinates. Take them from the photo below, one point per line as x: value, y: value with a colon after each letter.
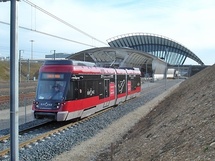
x: 58, y: 105
x: 36, y: 104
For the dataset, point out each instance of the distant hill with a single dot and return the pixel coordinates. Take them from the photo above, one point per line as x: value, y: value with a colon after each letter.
x: 33, y: 66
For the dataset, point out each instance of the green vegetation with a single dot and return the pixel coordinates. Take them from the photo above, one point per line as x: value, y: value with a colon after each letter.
x: 4, y: 70
x: 34, y: 69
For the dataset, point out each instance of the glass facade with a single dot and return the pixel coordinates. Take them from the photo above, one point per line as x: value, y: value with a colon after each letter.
x: 171, y: 51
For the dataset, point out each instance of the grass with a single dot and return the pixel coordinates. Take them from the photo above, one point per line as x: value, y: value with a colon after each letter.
x: 34, y: 69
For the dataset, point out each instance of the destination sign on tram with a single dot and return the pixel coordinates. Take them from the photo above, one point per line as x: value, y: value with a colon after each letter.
x: 52, y: 76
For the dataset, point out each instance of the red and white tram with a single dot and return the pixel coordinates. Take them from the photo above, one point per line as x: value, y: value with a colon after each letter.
x: 67, y: 90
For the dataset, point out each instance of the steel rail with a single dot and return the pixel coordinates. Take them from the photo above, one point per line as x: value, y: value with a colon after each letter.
x: 52, y: 132
x: 7, y: 137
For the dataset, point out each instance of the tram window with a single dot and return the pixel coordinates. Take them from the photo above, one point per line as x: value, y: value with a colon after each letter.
x: 46, y: 89
x: 69, y: 95
x: 81, y: 89
x: 95, y: 85
x: 101, y: 89
x: 75, y: 90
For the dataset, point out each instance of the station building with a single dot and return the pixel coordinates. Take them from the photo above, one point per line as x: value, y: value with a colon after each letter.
x: 162, y: 47
x: 155, y: 55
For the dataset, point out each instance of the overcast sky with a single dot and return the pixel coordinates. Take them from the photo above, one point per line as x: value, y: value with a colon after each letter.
x: 188, y: 22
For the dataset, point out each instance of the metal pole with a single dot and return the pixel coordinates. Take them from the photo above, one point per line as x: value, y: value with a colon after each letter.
x: 54, y: 55
x: 165, y: 75
x: 166, y: 67
x: 31, y: 49
x: 178, y: 70
x: 20, y: 68
x: 25, y: 110
x: 14, y: 87
x: 146, y: 72
x: 28, y: 78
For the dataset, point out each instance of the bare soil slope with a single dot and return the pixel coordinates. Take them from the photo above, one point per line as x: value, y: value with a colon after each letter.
x: 182, y: 127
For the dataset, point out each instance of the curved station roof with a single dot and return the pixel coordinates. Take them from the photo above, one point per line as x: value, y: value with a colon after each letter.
x: 172, y: 52
x: 115, y: 57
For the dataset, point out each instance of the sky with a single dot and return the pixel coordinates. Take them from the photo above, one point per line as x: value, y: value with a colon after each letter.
x: 188, y: 22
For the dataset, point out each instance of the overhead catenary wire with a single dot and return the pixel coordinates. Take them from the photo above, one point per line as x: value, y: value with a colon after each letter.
x: 62, y: 21
x: 44, y: 33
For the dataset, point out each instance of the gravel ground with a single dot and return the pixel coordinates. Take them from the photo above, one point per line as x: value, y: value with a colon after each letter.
x: 57, y: 145
x: 180, y: 128
x: 89, y: 149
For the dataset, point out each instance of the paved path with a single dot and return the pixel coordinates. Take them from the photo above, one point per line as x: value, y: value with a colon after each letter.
x: 25, y: 115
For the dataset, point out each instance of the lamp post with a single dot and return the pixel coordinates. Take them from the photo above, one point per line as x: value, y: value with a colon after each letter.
x: 28, y: 76
x: 178, y: 70
x: 166, y: 67
x: 31, y: 49
x: 54, y: 53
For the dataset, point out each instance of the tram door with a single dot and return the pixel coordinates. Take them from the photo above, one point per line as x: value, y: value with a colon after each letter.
x: 106, y: 92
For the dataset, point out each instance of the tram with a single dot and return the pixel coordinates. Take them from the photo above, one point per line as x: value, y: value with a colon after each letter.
x: 69, y: 89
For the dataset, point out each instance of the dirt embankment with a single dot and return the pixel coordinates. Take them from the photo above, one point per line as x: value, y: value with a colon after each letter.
x: 180, y: 128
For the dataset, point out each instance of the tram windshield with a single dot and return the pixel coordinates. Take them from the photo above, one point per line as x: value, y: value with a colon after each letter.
x: 51, y: 88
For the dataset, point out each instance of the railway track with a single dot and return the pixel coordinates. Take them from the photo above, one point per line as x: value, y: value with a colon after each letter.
x: 4, y: 140
x: 6, y: 99
x: 46, y: 135
x: 26, y: 90
x: 6, y: 137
